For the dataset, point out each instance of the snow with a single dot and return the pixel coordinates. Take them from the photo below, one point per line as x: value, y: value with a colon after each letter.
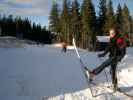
x: 125, y: 72
x: 44, y: 72
x: 13, y: 42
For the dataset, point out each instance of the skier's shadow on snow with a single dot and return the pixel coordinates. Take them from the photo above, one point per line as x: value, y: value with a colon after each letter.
x: 124, y: 89
x: 127, y: 89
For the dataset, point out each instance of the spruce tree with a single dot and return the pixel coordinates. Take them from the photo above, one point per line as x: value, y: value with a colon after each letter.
x: 75, y: 21
x: 126, y: 20
x: 119, y: 19
x: 54, y: 25
x: 65, y: 23
x: 110, y: 20
x: 131, y: 33
x: 88, y: 19
x: 102, y: 16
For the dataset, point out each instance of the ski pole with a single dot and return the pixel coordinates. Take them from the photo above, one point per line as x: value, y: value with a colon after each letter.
x: 107, y: 78
x: 82, y: 67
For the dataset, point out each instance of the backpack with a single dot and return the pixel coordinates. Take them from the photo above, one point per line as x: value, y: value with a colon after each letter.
x: 122, y: 42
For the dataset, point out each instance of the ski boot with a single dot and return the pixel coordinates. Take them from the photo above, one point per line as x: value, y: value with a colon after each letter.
x: 91, y: 74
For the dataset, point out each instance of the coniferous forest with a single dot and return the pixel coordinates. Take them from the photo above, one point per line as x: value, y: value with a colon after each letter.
x: 24, y: 29
x: 83, y: 22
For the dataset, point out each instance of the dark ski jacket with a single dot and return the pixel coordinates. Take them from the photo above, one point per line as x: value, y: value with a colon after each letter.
x: 116, y: 47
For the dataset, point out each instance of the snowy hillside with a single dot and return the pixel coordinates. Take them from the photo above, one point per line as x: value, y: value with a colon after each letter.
x: 46, y: 73
x: 101, y: 90
x: 13, y: 42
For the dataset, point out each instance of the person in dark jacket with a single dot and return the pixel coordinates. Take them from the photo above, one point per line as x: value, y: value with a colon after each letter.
x: 64, y: 47
x: 116, y: 50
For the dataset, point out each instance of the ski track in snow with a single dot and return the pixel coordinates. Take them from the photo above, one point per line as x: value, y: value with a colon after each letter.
x: 45, y: 73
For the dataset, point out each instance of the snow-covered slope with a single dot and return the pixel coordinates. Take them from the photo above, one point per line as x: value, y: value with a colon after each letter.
x: 101, y: 90
x: 13, y: 42
x: 44, y: 72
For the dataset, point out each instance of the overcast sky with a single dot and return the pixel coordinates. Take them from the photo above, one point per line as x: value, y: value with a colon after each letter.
x: 38, y: 10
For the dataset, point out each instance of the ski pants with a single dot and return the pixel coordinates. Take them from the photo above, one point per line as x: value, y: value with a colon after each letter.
x: 113, y: 63
x: 64, y: 49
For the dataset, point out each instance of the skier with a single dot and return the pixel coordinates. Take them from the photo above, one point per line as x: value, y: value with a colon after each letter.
x: 64, y: 47
x: 116, y: 50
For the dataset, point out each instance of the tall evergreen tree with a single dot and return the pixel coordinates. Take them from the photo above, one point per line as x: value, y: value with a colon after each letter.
x: 54, y: 18
x: 88, y: 19
x: 75, y: 21
x: 0, y: 26
x: 119, y: 19
x: 110, y: 20
x: 126, y: 19
x: 19, y: 27
x: 131, y: 24
x: 131, y: 33
x: 126, y: 22
x: 65, y: 22
x: 26, y: 28
x: 10, y: 25
x: 102, y: 16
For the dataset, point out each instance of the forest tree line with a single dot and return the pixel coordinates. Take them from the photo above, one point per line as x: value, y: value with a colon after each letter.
x: 24, y: 29
x: 82, y: 22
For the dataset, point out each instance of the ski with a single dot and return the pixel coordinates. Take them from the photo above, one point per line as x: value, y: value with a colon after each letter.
x: 124, y: 93
x: 84, y: 70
